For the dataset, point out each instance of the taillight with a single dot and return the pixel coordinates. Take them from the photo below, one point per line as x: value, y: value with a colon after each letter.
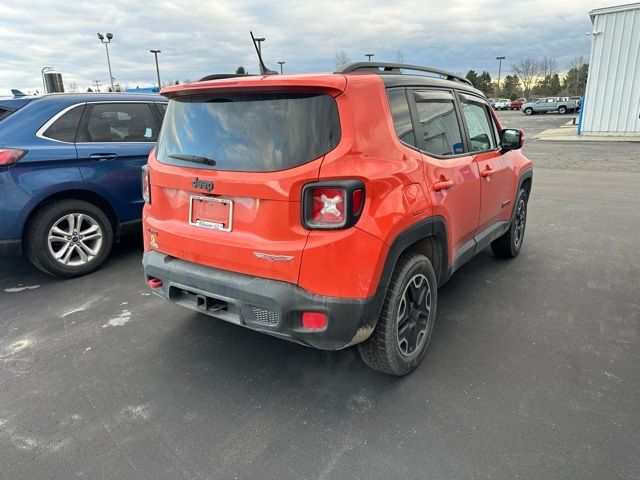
x: 146, y: 185
x: 332, y: 205
x: 328, y: 205
x: 9, y: 156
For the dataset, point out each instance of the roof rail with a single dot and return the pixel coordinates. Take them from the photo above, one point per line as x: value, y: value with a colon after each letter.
x: 396, y: 68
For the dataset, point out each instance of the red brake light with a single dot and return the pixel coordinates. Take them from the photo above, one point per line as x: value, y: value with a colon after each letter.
x: 9, y: 156
x: 328, y: 205
x: 314, y: 320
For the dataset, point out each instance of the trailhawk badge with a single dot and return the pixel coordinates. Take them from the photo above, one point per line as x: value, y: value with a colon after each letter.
x: 273, y: 258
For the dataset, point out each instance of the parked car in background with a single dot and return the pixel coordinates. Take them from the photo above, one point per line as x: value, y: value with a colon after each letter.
x: 70, y: 175
x: 549, y: 104
x: 492, y: 102
x: 517, y: 103
x: 502, y: 104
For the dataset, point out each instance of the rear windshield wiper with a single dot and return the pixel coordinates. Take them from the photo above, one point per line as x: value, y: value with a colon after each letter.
x: 193, y: 158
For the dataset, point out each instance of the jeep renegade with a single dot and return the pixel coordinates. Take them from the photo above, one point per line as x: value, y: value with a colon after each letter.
x: 327, y: 209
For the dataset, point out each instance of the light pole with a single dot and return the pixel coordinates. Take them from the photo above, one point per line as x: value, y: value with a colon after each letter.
x: 499, y: 71
x: 106, y: 46
x: 281, y: 63
x: 44, y: 84
x: 155, y: 53
x: 369, y: 55
x: 259, y: 42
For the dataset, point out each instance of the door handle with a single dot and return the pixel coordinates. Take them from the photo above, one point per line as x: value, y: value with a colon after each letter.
x: 442, y: 185
x: 103, y: 156
x: 487, y: 172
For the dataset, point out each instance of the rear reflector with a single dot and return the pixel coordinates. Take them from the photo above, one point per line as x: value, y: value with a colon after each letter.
x: 154, y: 283
x: 314, y: 320
x: 9, y: 156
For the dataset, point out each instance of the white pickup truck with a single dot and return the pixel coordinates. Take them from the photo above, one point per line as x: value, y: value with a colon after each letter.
x: 502, y: 104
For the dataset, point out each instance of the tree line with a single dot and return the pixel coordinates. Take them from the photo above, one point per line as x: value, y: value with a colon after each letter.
x: 532, y: 77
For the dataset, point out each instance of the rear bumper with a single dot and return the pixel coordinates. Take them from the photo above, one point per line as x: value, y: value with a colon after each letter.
x: 269, y: 306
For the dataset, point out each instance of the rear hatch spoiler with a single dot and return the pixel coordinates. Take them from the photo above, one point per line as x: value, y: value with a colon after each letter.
x: 332, y: 84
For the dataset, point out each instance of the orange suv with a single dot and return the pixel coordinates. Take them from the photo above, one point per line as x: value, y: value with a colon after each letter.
x: 327, y: 209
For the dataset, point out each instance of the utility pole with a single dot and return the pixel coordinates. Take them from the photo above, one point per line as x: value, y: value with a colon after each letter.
x: 499, y: 71
x: 369, y: 55
x: 97, y: 85
x: 281, y: 63
x: 155, y: 53
x: 106, y: 46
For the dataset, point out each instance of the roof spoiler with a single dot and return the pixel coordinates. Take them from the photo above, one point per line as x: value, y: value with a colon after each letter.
x: 17, y: 93
x: 397, y: 69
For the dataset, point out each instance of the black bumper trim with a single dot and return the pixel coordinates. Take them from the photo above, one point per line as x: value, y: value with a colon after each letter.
x: 11, y: 247
x: 270, y: 306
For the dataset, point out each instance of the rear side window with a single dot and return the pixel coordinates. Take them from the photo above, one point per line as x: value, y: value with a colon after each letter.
x: 258, y: 132
x: 480, y: 126
x: 401, y: 116
x: 119, y: 122
x: 5, y: 112
x: 439, y: 123
x: 65, y: 127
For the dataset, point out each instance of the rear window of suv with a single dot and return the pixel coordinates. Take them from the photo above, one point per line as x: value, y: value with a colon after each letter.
x: 253, y: 132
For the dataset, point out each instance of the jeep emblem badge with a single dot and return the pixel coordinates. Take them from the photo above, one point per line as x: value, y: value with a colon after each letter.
x: 203, y: 184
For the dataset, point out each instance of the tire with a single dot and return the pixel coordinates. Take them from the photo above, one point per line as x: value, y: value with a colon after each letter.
x: 413, y: 284
x: 562, y: 110
x: 528, y: 111
x: 510, y: 243
x: 82, y: 249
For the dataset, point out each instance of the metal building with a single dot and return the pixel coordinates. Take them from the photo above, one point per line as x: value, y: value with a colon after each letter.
x: 612, y: 100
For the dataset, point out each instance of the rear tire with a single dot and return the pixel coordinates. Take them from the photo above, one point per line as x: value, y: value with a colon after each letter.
x: 509, y: 244
x: 69, y: 238
x: 406, y: 321
x: 562, y: 110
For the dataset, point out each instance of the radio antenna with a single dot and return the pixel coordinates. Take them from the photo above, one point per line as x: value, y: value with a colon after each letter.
x: 263, y: 68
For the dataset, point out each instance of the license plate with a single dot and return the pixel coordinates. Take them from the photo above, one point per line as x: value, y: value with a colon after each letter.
x: 213, y: 213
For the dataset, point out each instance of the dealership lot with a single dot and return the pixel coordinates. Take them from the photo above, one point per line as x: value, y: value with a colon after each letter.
x: 533, y: 371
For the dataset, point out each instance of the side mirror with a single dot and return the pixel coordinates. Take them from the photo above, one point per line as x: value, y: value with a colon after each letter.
x: 511, y: 139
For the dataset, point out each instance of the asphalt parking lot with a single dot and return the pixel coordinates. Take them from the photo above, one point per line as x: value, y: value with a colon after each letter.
x: 534, y: 369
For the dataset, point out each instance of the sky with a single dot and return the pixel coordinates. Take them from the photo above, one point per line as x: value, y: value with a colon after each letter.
x: 200, y: 38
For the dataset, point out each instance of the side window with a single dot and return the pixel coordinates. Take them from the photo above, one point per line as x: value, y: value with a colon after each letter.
x: 439, y: 123
x: 64, y: 128
x: 401, y: 116
x: 119, y: 122
x: 479, y: 124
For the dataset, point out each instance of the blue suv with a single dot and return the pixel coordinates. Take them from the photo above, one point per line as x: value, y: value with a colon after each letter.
x: 70, y: 175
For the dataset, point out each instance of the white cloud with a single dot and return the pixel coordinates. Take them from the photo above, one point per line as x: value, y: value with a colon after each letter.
x: 199, y: 38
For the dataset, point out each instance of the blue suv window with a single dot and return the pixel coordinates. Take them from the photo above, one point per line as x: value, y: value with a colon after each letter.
x: 118, y: 122
x: 65, y: 127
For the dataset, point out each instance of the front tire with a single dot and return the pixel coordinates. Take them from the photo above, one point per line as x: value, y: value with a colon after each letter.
x: 528, y: 111
x: 406, y: 321
x: 69, y: 238
x: 509, y: 244
x: 562, y: 110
